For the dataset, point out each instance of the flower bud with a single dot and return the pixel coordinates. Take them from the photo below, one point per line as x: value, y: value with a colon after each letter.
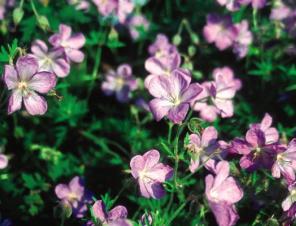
x: 17, y: 15
x: 177, y: 39
x: 43, y: 23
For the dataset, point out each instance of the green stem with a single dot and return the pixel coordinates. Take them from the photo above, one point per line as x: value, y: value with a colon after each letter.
x: 176, y: 213
x: 34, y: 8
x: 170, y: 132
x: 255, y: 23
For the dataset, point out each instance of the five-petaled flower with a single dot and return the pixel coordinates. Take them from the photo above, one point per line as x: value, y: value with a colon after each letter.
x: 150, y: 174
x: 26, y: 82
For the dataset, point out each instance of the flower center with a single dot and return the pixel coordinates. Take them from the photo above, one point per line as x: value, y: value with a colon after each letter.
x: 72, y: 196
x: 119, y: 82
x: 22, y: 85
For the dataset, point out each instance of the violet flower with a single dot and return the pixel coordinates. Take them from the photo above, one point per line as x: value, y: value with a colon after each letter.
x: 70, y: 43
x: 285, y: 163
x: 222, y: 192
x: 137, y: 24
x: 120, y: 83
x: 162, y: 47
x: 216, y: 97
x: 79, y: 4
x: 3, y: 161
x: 173, y: 96
x: 51, y: 61
x: 117, y: 216
x: 150, y: 174
x: 74, y: 195
x: 243, y: 39
x: 202, y: 148
x: 26, y: 82
x: 220, y: 30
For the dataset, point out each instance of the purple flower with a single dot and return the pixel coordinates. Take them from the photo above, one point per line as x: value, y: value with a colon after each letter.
x: 150, y: 174
x: 285, y: 163
x: 120, y: 82
x: 116, y: 216
x: 26, y: 82
x: 220, y: 30
x: 202, y: 147
x: 137, y: 24
x: 173, y: 96
x: 216, y: 97
x: 3, y: 161
x: 79, y: 4
x: 243, y: 40
x: 256, y: 4
x: 231, y: 5
x: 162, y: 47
x: 70, y: 43
x: 222, y: 192
x: 51, y: 61
x: 74, y: 195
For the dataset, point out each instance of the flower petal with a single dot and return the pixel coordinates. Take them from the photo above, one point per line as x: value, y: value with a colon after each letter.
x: 62, y: 191
x: 10, y: 77
x: 35, y: 104
x: 99, y: 210
x: 178, y: 113
x: 15, y: 101
x: 159, y: 108
x: 61, y: 68
x: 75, y: 55
x: 76, y: 41
x: 26, y: 66
x: 39, y: 48
x: 151, y: 158
x: 42, y: 82
x: 119, y: 212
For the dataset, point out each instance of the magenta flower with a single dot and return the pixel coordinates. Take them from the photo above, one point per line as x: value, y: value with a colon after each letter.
x: 202, y: 147
x: 256, y: 4
x: 137, y: 24
x: 3, y: 161
x: 150, y: 174
x: 70, y: 43
x: 285, y: 163
x: 220, y: 30
x: 173, y: 96
x: 51, y: 61
x: 216, y: 97
x: 79, y: 4
x: 26, y: 82
x: 74, y: 195
x: 116, y: 216
x: 222, y: 192
x: 243, y: 40
x: 120, y: 82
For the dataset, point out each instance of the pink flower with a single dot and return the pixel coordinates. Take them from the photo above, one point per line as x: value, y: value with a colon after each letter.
x: 173, y: 96
x: 79, y: 4
x: 137, y: 24
x: 231, y: 5
x: 202, y: 147
x: 70, y: 43
x: 162, y: 47
x: 220, y: 30
x: 222, y: 192
x: 51, y: 61
x: 74, y: 195
x: 256, y: 4
x: 3, y: 161
x: 116, y: 216
x: 216, y: 97
x: 120, y: 82
x: 26, y: 82
x: 150, y: 174
x: 243, y: 40
x: 285, y: 163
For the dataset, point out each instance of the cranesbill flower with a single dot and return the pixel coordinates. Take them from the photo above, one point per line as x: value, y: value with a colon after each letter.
x: 216, y: 97
x: 285, y: 163
x: 79, y: 4
x: 150, y: 174
x: 120, y: 82
x: 243, y: 39
x: 26, y: 82
x: 202, y: 147
x: 220, y: 30
x: 106, y: 7
x: 74, y: 195
x: 70, y: 43
x: 136, y: 25
x: 162, y: 47
x: 3, y: 161
x: 222, y: 192
x: 256, y: 4
x: 173, y: 96
x: 50, y: 60
x: 116, y: 216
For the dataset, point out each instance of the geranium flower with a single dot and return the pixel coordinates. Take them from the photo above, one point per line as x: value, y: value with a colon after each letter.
x: 222, y: 192
x: 150, y: 174
x: 285, y: 163
x: 136, y: 24
x: 74, y: 195
x: 51, y: 61
x: 3, y: 161
x: 220, y: 30
x: 243, y: 39
x: 120, y: 82
x: 26, y: 82
x: 70, y: 43
x: 173, y: 96
x: 216, y: 97
x: 162, y: 47
x: 79, y: 4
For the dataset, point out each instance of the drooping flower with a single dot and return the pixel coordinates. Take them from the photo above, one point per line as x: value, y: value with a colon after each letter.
x: 243, y: 39
x: 26, y: 82
x: 3, y: 161
x: 70, y: 43
x: 222, y: 192
x: 137, y: 24
x: 220, y: 30
x: 173, y: 96
x: 202, y: 148
x: 285, y: 163
x: 216, y: 97
x: 79, y: 4
x: 120, y: 82
x: 50, y: 60
x: 150, y: 174
x: 74, y: 195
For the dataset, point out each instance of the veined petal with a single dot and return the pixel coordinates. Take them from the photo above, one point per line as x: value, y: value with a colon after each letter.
x: 35, y: 104
x: 99, y: 210
x: 39, y: 48
x: 118, y: 212
x: 75, y: 55
x: 151, y: 158
x: 178, y: 113
x: 61, y: 68
x: 15, y: 101
x: 10, y: 77
x: 191, y: 92
x: 26, y: 66
x: 209, y: 136
x: 42, y: 82
x: 159, y: 108
x: 76, y: 41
